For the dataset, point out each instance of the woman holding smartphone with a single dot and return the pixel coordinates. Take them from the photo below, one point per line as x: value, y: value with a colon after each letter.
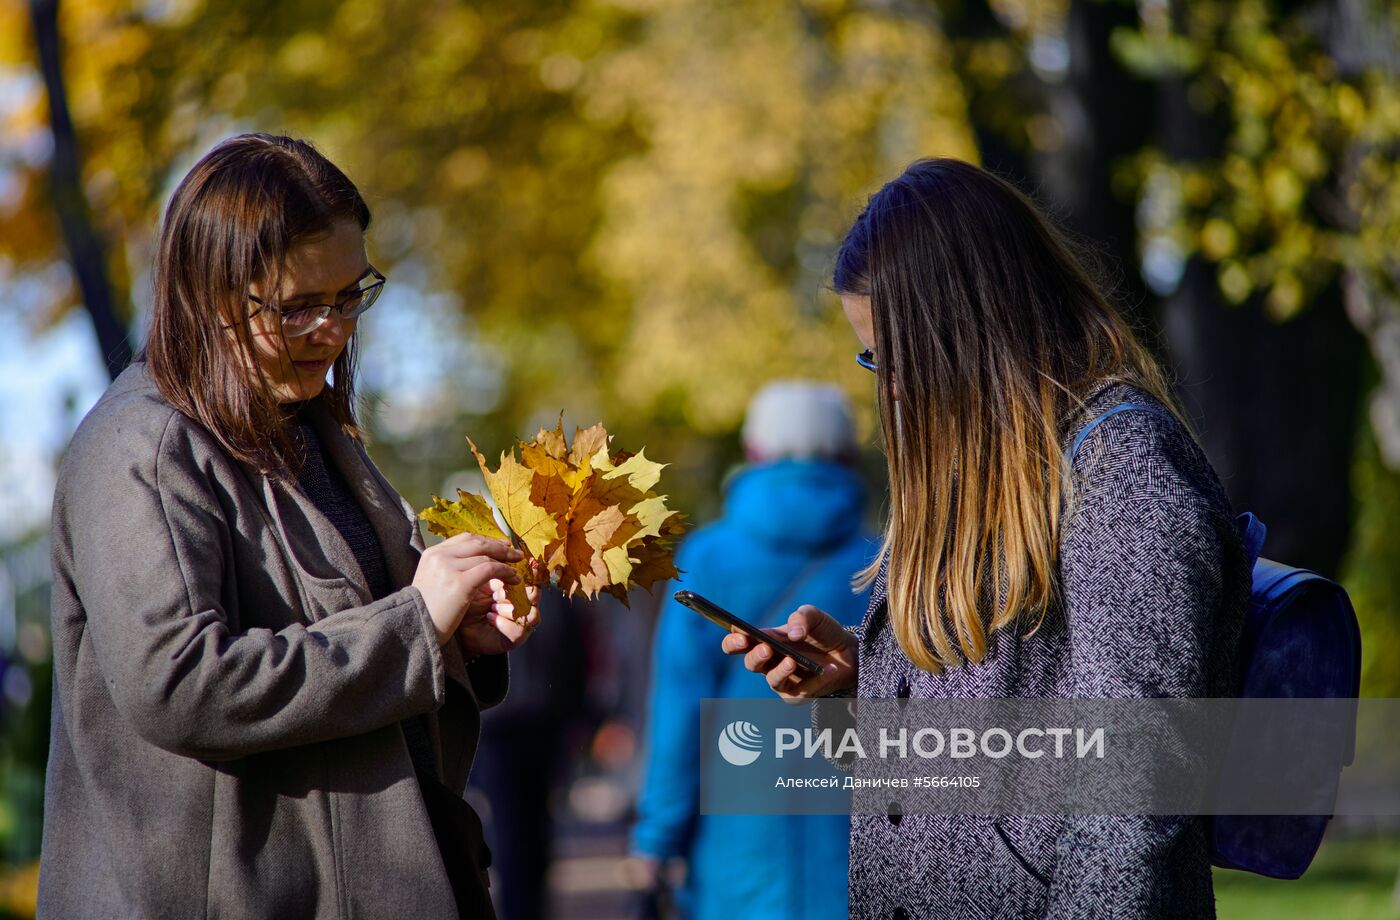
x: 267, y: 691
x: 1010, y: 568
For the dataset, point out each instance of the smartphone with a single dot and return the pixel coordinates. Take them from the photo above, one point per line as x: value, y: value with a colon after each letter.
x: 725, y: 620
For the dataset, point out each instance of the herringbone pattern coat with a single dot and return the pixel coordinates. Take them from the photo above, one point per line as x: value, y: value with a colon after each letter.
x: 1154, y: 587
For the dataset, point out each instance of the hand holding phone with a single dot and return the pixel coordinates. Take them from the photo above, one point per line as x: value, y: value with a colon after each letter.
x: 815, y: 636
x: 728, y: 621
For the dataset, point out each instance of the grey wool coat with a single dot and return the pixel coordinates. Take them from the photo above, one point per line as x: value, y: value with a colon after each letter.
x: 227, y: 695
x: 1154, y: 587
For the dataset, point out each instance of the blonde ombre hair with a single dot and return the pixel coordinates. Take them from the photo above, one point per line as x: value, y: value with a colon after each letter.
x: 988, y: 334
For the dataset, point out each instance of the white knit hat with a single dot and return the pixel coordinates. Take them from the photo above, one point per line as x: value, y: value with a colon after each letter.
x: 800, y: 420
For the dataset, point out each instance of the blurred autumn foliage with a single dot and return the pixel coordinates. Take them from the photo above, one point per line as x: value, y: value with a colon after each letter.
x: 627, y: 208
x: 595, y: 183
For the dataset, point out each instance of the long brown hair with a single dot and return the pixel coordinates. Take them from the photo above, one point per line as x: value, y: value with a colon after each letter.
x: 988, y: 333
x: 232, y: 221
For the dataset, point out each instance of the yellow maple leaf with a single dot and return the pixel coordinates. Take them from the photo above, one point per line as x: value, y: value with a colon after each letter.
x: 653, y: 562
x: 552, y: 442
x: 619, y: 564
x: 587, y: 442
x: 651, y: 514
x: 553, y: 486
x: 639, y: 472
x: 468, y: 514
x: 510, y: 485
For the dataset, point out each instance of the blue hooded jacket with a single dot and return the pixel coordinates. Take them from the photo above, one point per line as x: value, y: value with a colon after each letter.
x: 778, y: 518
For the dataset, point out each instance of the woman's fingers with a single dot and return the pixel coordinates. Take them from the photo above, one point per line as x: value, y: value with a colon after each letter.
x: 468, y: 563
x: 472, y: 543
x: 483, y: 572
x: 469, y: 544
x: 763, y: 658
x: 506, y: 607
x: 515, y: 631
x: 819, y: 629
x: 820, y: 635
x: 507, y: 627
x: 780, y: 672
x: 760, y: 659
x: 502, y: 604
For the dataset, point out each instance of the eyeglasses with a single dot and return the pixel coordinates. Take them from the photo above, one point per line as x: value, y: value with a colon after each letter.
x: 304, y: 319
x: 866, y: 359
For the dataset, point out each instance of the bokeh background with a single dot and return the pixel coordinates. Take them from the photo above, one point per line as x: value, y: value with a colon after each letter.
x: 627, y: 209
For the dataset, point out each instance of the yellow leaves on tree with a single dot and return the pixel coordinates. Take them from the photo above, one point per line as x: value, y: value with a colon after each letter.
x: 590, y: 517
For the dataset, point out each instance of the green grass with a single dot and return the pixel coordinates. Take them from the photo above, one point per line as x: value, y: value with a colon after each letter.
x: 1351, y: 879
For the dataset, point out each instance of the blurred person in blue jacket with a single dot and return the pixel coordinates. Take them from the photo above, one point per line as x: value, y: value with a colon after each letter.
x: 791, y: 534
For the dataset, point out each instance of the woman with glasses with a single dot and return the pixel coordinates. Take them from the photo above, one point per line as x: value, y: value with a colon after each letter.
x: 267, y: 691
x: 1015, y: 565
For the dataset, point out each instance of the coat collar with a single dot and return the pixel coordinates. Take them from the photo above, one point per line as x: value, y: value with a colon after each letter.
x: 316, y: 547
x: 331, y: 577
x: 878, y: 606
x: 393, y: 520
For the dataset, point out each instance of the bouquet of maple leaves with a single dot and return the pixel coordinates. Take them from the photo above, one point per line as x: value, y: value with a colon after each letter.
x: 585, y: 517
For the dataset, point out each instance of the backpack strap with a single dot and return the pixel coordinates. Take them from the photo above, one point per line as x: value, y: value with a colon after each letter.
x: 1110, y: 413
x: 1252, y: 532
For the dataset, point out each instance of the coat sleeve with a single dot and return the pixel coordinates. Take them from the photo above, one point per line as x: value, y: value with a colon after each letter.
x: 150, y: 549
x: 1142, y: 566
x: 487, y: 676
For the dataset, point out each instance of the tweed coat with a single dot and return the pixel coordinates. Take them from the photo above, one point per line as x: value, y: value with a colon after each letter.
x: 227, y: 695
x: 1154, y: 587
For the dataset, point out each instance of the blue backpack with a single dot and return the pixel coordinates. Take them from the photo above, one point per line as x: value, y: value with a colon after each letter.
x: 1300, y: 640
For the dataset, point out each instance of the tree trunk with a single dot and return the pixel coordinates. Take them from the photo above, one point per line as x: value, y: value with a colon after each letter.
x: 85, y: 247
x: 992, y: 111
x: 1361, y: 38
x: 1276, y: 403
x: 1105, y: 114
